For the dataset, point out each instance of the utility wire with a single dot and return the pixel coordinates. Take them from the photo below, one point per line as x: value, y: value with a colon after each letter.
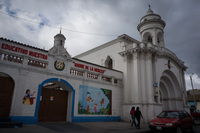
x: 20, y: 18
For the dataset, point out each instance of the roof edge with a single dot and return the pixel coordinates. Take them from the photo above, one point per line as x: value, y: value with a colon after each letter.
x: 22, y: 44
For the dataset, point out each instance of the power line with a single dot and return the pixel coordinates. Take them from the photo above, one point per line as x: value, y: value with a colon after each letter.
x: 82, y: 32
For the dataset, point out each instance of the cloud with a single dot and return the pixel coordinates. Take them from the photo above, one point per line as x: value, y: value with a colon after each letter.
x: 42, y: 20
x: 195, y: 81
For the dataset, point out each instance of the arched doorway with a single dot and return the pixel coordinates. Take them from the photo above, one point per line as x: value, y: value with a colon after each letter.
x: 54, y: 101
x: 170, y: 92
x: 6, y: 94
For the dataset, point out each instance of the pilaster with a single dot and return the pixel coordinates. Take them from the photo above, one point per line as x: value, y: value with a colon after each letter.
x: 127, y: 78
x: 135, y: 80
x: 143, y: 78
x: 149, y: 77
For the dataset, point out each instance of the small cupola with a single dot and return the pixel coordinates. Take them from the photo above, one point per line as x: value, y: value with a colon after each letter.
x: 59, y: 39
x: 59, y: 46
x: 151, y: 28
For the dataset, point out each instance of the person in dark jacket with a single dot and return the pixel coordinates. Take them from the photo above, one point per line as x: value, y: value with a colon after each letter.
x: 138, y: 114
x: 132, y: 113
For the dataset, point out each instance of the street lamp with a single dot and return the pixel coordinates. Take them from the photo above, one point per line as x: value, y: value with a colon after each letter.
x: 193, y: 91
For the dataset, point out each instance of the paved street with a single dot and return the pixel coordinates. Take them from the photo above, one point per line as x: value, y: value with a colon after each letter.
x: 90, y: 127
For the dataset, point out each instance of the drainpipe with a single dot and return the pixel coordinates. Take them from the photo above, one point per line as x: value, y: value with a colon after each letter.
x: 193, y: 91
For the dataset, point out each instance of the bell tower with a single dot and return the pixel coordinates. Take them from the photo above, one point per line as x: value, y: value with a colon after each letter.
x: 151, y: 28
x: 59, y: 40
x: 58, y: 48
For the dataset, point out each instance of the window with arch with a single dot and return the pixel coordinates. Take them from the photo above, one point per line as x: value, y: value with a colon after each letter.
x: 147, y: 37
x: 159, y: 39
x: 109, y: 62
x: 150, y: 39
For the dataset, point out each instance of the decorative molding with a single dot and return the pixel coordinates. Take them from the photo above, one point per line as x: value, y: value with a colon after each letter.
x: 128, y: 39
x: 135, y: 56
x: 59, y: 65
x: 151, y: 21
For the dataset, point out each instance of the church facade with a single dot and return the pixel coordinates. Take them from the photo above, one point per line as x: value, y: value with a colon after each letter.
x: 101, y: 84
x: 153, y: 75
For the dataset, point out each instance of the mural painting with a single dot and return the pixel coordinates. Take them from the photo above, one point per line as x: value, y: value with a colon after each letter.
x: 95, y: 101
x: 28, y: 98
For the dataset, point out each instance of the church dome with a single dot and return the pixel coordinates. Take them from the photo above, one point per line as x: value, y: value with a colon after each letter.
x: 150, y: 17
x: 59, y: 35
x: 149, y: 12
x: 151, y: 28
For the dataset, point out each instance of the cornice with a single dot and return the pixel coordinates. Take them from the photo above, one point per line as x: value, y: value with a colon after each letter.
x: 151, y: 15
x: 127, y: 38
x: 175, y: 59
x: 97, y: 48
x: 159, y: 51
x: 137, y: 50
x: 151, y: 21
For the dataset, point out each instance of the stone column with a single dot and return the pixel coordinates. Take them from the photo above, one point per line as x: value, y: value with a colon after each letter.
x: 134, y: 80
x: 155, y: 42
x: 149, y: 77
x: 143, y: 79
x: 126, y: 94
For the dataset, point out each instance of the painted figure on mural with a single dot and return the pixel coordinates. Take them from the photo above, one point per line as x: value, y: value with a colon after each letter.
x: 138, y: 114
x: 28, y: 98
x: 102, y: 101
x: 88, y: 109
x: 132, y: 113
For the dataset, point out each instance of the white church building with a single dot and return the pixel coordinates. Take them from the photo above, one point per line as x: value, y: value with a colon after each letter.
x: 101, y: 84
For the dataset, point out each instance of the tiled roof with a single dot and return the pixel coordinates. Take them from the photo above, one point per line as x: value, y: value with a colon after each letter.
x: 23, y: 44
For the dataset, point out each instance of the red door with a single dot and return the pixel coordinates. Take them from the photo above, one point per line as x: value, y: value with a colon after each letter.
x: 6, y: 93
x: 53, y: 105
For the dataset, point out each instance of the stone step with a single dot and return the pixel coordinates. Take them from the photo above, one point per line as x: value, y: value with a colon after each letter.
x: 5, y: 122
x: 10, y: 124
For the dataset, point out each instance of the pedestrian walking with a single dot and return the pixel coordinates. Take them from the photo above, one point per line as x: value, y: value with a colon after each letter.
x: 138, y: 114
x: 132, y: 113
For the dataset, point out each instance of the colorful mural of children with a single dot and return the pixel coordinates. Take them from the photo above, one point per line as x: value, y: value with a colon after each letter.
x: 95, y: 107
x: 94, y: 100
x: 28, y: 98
x: 88, y: 109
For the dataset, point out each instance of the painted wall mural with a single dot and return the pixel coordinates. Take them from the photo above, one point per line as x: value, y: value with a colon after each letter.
x: 95, y: 101
x: 28, y: 98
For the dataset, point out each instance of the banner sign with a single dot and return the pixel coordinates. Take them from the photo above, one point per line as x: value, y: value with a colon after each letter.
x: 88, y: 67
x: 23, y: 51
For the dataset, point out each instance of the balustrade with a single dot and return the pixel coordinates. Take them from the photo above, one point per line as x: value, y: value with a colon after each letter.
x: 11, y: 58
x: 93, y: 76
x: 76, y: 72
x: 35, y: 63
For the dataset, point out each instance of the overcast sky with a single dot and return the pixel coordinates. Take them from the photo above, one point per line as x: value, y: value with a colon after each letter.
x: 90, y: 23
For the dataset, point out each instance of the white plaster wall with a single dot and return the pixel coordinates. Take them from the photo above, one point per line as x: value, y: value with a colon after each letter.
x: 99, y: 57
x: 162, y: 65
x: 30, y: 77
x: 24, y: 79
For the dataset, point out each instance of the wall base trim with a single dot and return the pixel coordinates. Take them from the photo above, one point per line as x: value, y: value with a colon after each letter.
x: 77, y: 119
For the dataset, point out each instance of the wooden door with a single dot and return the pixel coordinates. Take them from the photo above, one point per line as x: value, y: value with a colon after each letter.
x: 6, y: 93
x: 53, y: 105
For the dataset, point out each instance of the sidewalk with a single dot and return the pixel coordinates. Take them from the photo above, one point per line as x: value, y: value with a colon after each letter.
x: 90, y: 127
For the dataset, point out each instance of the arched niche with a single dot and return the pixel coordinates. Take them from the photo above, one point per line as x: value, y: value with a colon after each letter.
x: 109, y: 62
